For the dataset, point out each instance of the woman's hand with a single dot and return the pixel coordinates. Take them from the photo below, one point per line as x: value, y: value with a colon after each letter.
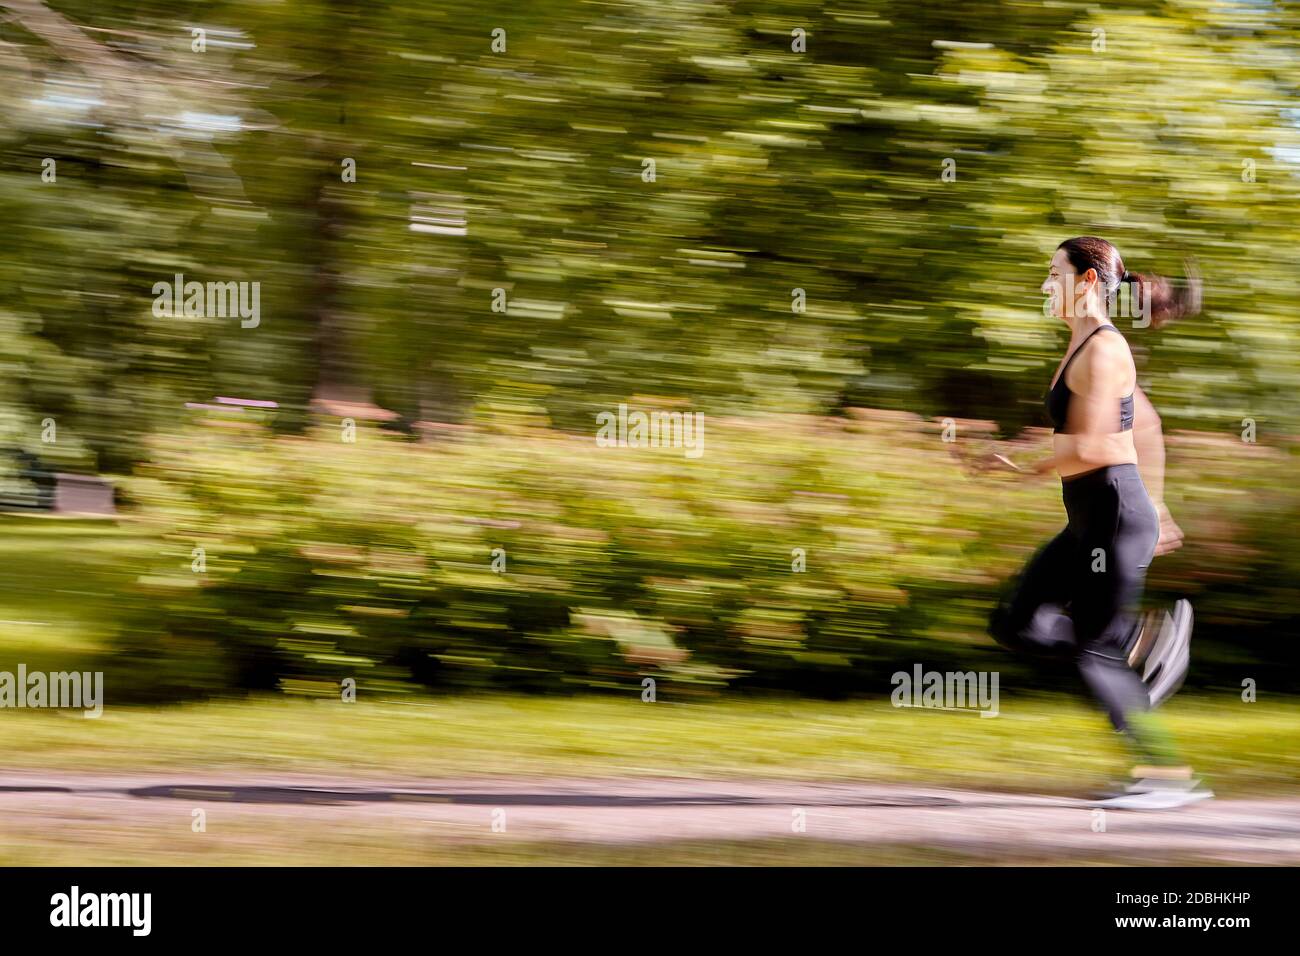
x: 1171, y: 536
x: 992, y: 461
x: 1044, y: 465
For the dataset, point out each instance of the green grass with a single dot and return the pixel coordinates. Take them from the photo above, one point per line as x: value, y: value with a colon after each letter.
x: 1041, y: 744
x: 62, y: 582
x: 286, y: 844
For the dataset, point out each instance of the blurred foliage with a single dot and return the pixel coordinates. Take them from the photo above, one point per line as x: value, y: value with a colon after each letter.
x: 799, y: 552
x: 522, y: 170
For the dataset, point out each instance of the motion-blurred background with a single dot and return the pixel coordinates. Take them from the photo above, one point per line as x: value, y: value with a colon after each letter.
x: 476, y: 227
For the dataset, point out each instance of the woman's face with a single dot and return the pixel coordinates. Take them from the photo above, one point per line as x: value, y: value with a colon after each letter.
x: 1068, y: 291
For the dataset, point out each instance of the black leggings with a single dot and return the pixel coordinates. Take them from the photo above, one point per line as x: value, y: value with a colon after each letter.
x: 1079, y: 594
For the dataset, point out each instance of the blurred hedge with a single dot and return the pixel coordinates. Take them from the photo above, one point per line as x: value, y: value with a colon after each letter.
x: 323, y: 560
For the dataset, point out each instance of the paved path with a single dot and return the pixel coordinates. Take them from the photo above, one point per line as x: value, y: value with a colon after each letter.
x: 35, y: 806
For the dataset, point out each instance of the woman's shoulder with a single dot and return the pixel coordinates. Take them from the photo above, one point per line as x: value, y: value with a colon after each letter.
x: 1112, y: 344
x: 1103, y: 357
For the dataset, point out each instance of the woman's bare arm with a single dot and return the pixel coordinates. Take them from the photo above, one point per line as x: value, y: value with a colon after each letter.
x: 1150, y: 443
x: 1149, y: 439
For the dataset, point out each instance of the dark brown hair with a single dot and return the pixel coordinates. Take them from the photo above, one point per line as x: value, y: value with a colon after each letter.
x: 1168, y: 301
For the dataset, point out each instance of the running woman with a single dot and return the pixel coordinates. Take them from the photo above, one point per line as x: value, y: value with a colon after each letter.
x: 1079, y: 594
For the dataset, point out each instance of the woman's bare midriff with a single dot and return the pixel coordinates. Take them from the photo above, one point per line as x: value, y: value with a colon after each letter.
x: 1125, y: 453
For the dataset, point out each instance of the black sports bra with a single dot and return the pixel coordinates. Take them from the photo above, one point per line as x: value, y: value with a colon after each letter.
x: 1058, y: 396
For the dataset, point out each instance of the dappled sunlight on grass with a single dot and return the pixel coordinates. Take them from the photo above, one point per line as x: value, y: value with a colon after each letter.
x: 1038, y: 744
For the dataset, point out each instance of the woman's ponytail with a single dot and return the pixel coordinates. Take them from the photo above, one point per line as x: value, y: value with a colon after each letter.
x: 1165, y: 301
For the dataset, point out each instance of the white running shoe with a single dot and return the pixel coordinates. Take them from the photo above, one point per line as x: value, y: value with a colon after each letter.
x: 1157, y: 794
x: 1166, y: 665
